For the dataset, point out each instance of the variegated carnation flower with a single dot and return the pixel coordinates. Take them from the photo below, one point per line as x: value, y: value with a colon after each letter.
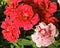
x: 44, y: 34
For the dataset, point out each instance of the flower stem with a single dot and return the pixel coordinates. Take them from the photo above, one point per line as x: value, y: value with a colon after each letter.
x: 22, y: 46
x: 15, y: 44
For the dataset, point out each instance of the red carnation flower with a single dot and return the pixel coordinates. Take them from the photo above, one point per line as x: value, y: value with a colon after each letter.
x: 27, y: 17
x: 11, y: 32
x: 22, y: 15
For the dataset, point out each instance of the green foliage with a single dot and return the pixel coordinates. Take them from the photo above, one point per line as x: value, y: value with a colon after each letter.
x: 23, y: 42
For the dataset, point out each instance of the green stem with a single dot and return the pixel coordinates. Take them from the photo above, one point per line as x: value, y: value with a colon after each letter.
x: 15, y: 44
x: 24, y: 34
x: 22, y: 46
x: 12, y: 46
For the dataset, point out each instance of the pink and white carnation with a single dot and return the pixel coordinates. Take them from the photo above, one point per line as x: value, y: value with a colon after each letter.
x: 44, y: 34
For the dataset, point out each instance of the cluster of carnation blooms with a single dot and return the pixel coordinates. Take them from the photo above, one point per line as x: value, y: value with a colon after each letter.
x: 28, y: 13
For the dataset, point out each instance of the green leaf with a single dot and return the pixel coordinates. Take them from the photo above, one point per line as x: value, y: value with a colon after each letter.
x: 51, y: 46
x: 24, y: 42
x: 56, y: 43
x: 33, y: 44
x: 19, y: 41
x: 17, y: 47
x: 15, y: 44
x: 29, y: 37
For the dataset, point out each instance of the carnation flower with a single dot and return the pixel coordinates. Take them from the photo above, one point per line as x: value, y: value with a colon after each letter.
x: 44, y: 34
x: 11, y: 32
x: 23, y: 15
x: 46, y: 9
x: 27, y: 16
x: 46, y: 5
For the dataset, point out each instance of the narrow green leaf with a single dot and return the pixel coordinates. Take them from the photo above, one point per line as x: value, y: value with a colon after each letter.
x: 29, y: 37
x: 12, y: 46
x: 24, y: 42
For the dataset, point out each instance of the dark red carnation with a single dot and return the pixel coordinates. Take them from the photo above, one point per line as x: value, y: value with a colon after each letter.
x: 46, y: 9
